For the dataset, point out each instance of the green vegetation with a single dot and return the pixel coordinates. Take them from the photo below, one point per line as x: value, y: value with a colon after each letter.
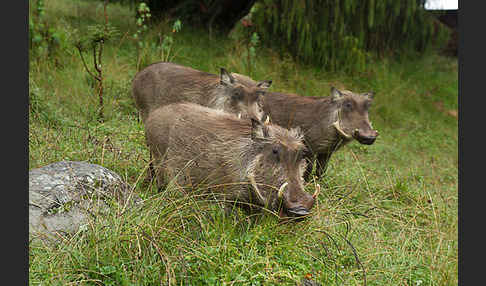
x: 387, y: 212
x: 346, y: 34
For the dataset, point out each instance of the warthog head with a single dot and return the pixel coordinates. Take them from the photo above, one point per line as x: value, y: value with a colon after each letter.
x: 244, y: 100
x: 352, y: 115
x: 276, y: 171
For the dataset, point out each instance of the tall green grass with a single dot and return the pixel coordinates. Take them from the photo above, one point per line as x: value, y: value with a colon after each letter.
x: 387, y: 213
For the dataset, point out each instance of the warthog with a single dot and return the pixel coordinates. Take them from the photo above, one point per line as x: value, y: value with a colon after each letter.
x: 165, y: 83
x: 328, y: 123
x: 244, y: 161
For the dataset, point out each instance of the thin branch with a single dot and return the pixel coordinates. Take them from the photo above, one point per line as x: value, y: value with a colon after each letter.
x: 100, y: 95
x: 84, y: 63
x: 95, y: 61
x: 106, y: 15
x: 102, y: 40
x: 100, y: 52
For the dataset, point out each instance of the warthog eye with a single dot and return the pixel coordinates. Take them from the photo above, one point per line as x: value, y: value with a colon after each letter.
x: 237, y: 94
x: 347, y: 105
x: 275, y: 153
x: 260, y: 109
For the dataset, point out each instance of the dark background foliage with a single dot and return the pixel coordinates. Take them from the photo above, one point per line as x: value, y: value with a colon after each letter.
x: 333, y: 34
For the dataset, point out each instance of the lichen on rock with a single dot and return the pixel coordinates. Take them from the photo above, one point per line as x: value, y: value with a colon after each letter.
x: 64, y: 195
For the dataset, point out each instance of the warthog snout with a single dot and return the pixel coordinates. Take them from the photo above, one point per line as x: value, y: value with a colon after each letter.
x: 367, y: 138
x: 298, y: 211
x: 296, y: 201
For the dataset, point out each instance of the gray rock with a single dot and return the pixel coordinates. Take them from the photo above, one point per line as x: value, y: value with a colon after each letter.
x: 63, y: 196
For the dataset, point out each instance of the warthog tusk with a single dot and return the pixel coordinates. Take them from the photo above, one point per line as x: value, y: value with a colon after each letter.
x: 318, y: 190
x: 338, y: 128
x: 239, y: 115
x: 257, y: 191
x: 281, y: 189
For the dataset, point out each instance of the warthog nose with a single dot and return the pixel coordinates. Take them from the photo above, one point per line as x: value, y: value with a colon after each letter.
x: 298, y: 211
x: 368, y: 140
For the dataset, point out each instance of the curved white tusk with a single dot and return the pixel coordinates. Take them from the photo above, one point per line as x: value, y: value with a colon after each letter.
x: 257, y: 191
x: 281, y: 189
x: 318, y: 190
x: 239, y: 115
x: 338, y: 128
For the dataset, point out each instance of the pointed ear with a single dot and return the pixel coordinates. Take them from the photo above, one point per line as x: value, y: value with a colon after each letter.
x: 226, y: 77
x: 335, y: 94
x: 369, y: 95
x: 264, y: 84
x: 267, y: 119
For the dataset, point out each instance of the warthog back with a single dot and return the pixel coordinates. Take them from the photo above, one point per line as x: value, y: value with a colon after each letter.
x: 165, y: 83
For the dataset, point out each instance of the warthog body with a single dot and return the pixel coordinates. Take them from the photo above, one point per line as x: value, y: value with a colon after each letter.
x: 243, y: 160
x: 328, y: 123
x: 165, y: 83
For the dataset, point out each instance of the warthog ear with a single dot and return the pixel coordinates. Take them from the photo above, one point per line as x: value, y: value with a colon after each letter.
x: 226, y: 77
x: 264, y: 84
x: 335, y: 94
x: 267, y: 119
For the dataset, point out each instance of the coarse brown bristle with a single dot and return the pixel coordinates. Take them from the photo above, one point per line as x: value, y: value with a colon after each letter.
x: 291, y: 139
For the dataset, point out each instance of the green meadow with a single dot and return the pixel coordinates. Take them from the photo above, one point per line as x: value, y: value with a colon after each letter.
x: 387, y: 213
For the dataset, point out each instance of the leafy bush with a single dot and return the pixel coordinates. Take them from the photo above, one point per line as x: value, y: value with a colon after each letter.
x: 45, y: 39
x: 342, y: 35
